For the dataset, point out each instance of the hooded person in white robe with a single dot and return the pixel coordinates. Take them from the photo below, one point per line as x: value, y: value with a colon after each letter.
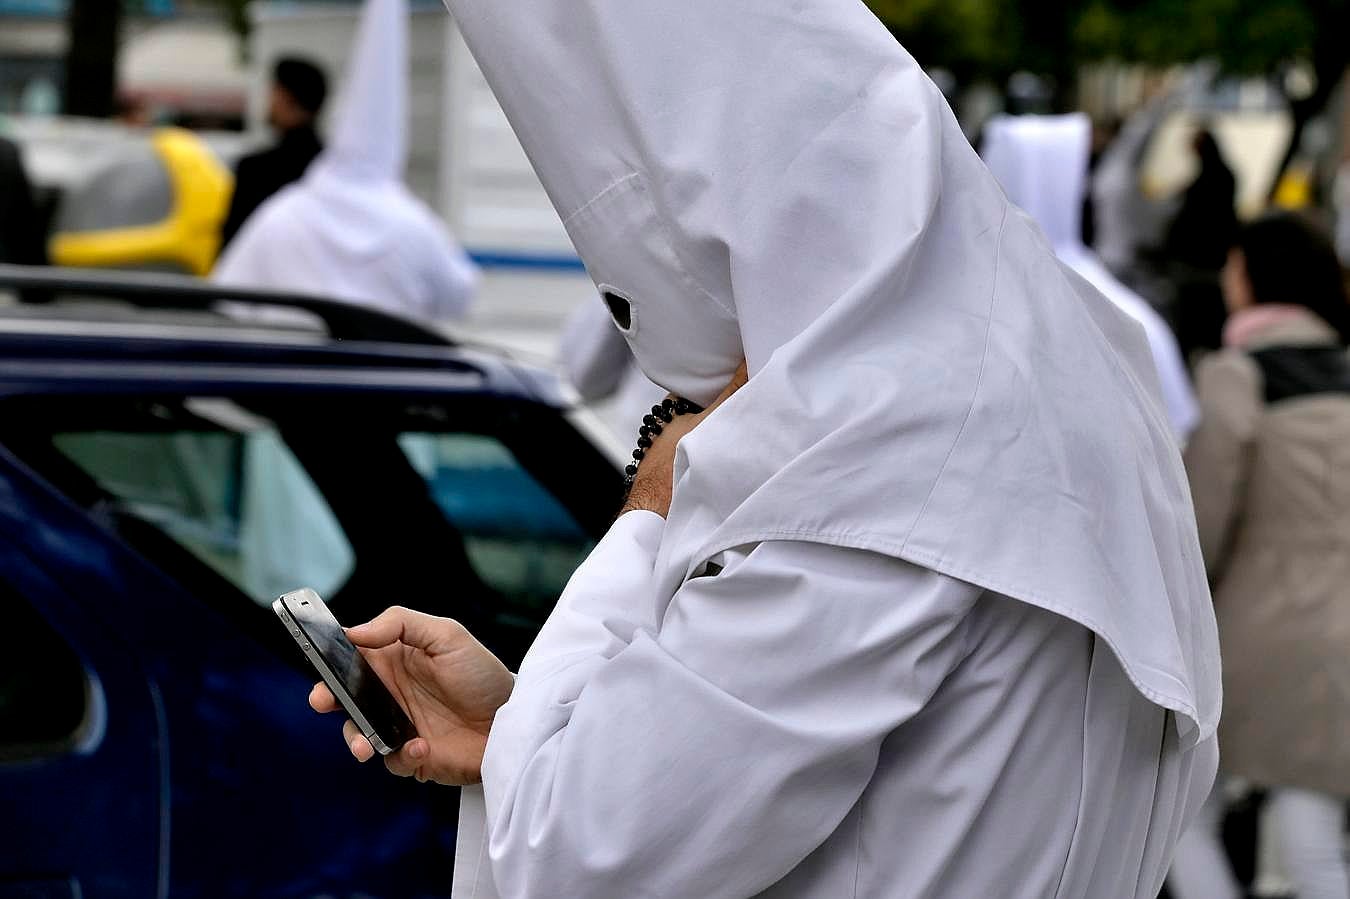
x: 1042, y: 163
x: 349, y: 230
x: 919, y: 610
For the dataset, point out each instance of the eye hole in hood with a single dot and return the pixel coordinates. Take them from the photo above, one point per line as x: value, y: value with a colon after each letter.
x: 620, y: 309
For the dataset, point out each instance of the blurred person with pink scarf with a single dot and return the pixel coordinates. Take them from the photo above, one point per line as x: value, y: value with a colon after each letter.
x: 1270, y: 474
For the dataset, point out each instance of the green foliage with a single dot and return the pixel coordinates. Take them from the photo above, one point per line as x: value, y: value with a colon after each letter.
x: 993, y: 37
x: 1248, y: 36
x: 959, y: 34
x: 998, y: 37
x: 236, y: 13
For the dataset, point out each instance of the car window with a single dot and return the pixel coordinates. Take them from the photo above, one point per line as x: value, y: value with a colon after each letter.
x: 43, y: 685
x: 521, y: 541
x: 478, y: 508
x: 234, y: 496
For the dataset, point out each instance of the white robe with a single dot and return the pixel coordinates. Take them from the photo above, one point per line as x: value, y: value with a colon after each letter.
x: 948, y: 444
x: 1042, y: 162
x: 819, y: 722
x: 369, y: 244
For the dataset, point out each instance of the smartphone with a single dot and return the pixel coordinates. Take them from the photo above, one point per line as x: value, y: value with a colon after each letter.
x: 357, y: 687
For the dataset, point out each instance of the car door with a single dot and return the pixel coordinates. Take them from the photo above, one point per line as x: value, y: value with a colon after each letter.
x: 81, y: 739
x: 262, y: 798
x: 458, y: 505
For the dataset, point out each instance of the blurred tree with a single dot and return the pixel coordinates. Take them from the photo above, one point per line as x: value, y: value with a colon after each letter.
x: 236, y: 13
x: 988, y: 38
x: 994, y: 38
x: 93, y: 27
x: 1247, y: 37
x: 960, y: 35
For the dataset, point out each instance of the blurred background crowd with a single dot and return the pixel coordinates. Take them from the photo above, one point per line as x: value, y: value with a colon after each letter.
x: 1191, y: 158
x: 136, y: 113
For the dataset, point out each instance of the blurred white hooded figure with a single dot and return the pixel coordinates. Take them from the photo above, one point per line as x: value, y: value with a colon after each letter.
x: 1042, y: 163
x: 598, y: 362
x: 927, y: 616
x: 1341, y: 201
x: 349, y: 230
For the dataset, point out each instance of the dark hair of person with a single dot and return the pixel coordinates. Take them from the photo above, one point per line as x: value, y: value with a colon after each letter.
x: 1207, y: 146
x: 1291, y: 260
x: 303, y: 80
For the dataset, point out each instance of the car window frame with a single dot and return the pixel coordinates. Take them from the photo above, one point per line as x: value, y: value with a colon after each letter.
x: 540, y: 437
x: 89, y: 729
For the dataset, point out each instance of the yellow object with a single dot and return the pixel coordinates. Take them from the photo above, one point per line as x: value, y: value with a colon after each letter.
x: 1295, y: 190
x: 189, y: 237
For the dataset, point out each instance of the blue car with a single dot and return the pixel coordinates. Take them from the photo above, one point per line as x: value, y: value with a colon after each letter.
x: 163, y: 470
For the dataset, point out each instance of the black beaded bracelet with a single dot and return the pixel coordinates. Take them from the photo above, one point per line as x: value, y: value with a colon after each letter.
x: 653, y: 425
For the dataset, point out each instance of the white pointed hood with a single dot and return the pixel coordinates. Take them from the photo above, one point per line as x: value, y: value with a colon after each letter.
x: 369, y: 139
x: 357, y: 181
x: 1042, y: 162
x: 780, y: 179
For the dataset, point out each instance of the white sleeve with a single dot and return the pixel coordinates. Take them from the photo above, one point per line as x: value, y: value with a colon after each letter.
x: 622, y: 562
x: 707, y: 754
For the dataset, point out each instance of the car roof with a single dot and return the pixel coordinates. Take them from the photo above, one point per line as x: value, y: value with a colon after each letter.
x: 72, y: 329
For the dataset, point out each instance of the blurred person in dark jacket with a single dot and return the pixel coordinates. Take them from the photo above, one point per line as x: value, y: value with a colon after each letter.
x: 1341, y: 209
x: 299, y: 89
x: 1196, y: 247
x: 1270, y: 474
x: 21, y: 231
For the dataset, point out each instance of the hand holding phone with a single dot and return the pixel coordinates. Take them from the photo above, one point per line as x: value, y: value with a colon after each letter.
x: 345, y: 671
x: 449, y: 683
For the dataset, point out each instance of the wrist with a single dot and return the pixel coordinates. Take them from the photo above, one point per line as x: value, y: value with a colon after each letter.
x: 643, y: 500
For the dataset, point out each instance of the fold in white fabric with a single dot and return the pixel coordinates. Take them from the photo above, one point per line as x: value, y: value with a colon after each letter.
x: 1042, y: 162
x: 351, y: 229
x: 819, y: 722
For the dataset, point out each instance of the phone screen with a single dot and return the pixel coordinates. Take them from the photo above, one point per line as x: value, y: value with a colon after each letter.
x: 353, y: 673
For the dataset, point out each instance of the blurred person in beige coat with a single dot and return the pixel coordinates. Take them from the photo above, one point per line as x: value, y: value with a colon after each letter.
x: 1270, y: 473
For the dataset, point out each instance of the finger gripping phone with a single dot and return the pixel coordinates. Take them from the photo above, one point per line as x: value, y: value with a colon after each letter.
x: 354, y: 683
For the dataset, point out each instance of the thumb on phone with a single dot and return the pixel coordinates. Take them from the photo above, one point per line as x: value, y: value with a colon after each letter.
x: 400, y: 625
